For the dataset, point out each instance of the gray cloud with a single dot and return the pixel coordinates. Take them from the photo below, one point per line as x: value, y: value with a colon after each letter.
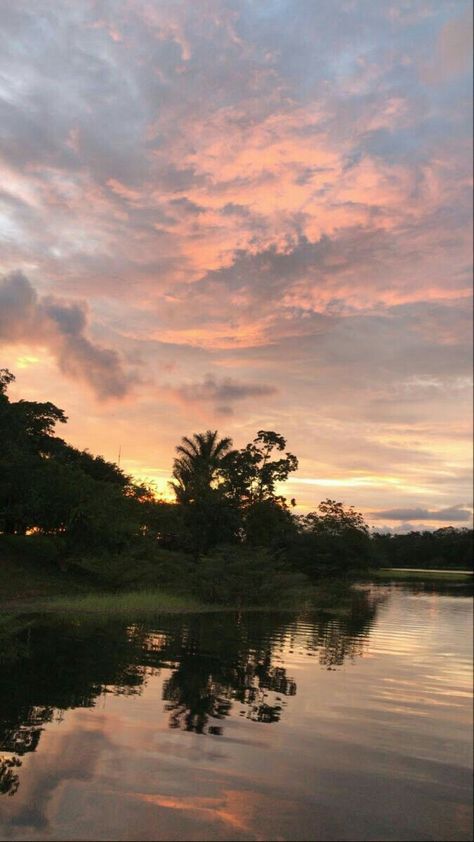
x: 185, y: 206
x: 221, y: 393
x: 59, y: 325
x: 450, y: 514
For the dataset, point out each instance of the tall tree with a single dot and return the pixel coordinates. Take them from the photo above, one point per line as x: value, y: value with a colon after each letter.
x: 197, y: 466
x: 208, y: 517
x: 251, y: 474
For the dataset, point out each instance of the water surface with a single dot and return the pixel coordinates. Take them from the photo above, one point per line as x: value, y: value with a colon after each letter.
x: 251, y: 726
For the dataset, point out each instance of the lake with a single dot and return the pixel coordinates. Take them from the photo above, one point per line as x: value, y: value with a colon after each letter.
x: 242, y: 726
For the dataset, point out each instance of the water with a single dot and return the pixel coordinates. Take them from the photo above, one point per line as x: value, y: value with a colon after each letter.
x: 258, y: 726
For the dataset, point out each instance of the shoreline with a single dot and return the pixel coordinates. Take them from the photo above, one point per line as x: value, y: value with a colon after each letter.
x: 419, y: 573
x: 155, y: 601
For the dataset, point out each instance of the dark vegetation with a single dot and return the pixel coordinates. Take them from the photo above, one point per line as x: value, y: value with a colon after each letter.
x: 229, y: 538
x: 446, y: 548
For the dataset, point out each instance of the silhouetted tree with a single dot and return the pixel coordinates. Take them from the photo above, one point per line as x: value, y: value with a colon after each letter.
x: 250, y: 475
x: 196, y: 468
x: 50, y: 487
x: 208, y: 518
x: 334, y: 539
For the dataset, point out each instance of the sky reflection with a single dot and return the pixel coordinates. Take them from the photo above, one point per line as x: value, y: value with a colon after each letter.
x: 371, y: 743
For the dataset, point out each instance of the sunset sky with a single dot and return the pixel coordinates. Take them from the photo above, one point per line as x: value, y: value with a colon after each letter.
x: 245, y: 215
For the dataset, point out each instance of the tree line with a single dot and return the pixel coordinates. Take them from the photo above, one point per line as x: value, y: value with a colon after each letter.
x: 228, y: 530
x: 448, y: 547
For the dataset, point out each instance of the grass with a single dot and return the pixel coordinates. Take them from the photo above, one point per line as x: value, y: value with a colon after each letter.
x: 22, y: 579
x: 33, y: 580
x: 119, y: 604
x: 139, y: 603
x: 444, y: 575
x: 27, y: 586
x: 129, y: 604
x: 30, y: 585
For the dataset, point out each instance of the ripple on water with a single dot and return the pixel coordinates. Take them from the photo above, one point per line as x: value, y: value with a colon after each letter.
x: 257, y: 726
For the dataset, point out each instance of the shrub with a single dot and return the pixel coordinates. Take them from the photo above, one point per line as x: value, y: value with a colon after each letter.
x: 38, y: 549
x: 236, y: 576
x: 142, y: 565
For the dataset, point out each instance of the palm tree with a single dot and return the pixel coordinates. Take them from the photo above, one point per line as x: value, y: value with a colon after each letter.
x: 196, y: 467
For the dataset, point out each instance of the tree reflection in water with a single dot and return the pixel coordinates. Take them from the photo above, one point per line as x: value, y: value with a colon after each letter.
x: 335, y: 645
x: 9, y: 780
x: 217, y: 662
x: 204, y: 687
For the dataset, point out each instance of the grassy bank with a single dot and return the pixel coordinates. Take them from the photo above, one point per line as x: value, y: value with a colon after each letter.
x: 332, y: 599
x: 116, y: 604
x: 24, y: 579
x: 35, y: 576
x: 30, y: 587
x: 26, y: 585
x: 32, y: 583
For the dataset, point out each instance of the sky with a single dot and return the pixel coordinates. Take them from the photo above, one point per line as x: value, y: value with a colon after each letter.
x: 244, y: 215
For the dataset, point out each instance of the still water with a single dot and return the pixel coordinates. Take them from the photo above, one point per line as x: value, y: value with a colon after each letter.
x: 251, y: 726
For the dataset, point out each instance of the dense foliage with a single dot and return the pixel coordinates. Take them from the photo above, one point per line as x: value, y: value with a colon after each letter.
x: 230, y: 536
x: 447, y: 548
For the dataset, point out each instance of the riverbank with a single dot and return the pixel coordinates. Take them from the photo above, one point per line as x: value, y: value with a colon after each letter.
x: 29, y: 587
x: 108, y: 604
x: 392, y: 573
x: 26, y: 586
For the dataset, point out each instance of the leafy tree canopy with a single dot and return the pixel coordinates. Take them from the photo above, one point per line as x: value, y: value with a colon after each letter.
x: 196, y: 468
x: 333, y: 518
x: 250, y: 475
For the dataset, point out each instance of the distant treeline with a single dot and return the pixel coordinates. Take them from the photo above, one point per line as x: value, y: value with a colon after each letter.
x: 448, y: 548
x: 227, y: 537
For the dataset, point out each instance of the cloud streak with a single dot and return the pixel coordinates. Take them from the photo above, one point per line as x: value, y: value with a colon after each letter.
x: 222, y: 394
x: 457, y: 514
